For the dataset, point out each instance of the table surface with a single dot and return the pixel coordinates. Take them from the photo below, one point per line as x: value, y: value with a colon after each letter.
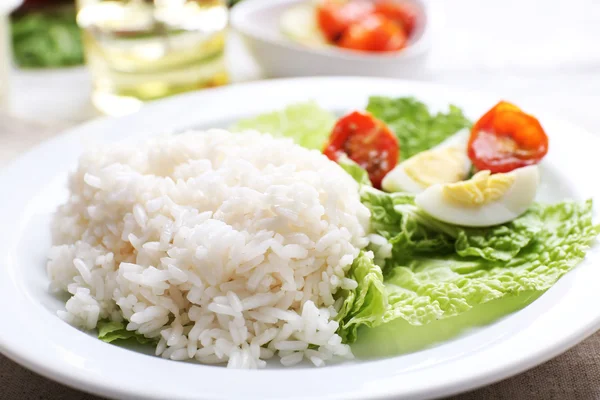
x: 549, y: 59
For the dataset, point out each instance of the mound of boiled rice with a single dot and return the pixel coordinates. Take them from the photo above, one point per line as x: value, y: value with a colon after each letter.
x: 226, y: 248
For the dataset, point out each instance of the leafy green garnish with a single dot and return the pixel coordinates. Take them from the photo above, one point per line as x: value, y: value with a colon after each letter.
x: 47, y: 39
x: 365, y: 305
x: 400, y: 337
x: 110, y: 331
x: 440, y: 271
x: 412, y: 232
x: 416, y: 128
x: 500, y: 243
x: 357, y: 172
x: 445, y: 286
x: 307, y: 123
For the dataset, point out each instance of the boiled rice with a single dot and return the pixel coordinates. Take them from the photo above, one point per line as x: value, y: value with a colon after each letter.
x: 225, y: 248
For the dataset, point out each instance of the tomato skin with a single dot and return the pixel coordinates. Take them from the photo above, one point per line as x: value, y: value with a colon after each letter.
x: 505, y: 138
x: 366, y: 141
x: 366, y: 25
x: 374, y: 33
x: 402, y: 13
x: 334, y: 17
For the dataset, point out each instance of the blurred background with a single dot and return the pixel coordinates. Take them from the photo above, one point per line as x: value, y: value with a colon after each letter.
x: 67, y: 62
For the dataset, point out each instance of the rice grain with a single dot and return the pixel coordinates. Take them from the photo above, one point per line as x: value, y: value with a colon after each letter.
x: 225, y: 248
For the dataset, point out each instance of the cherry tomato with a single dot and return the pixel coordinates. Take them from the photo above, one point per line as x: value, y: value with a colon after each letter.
x: 401, y: 13
x: 506, y: 138
x: 374, y: 33
x: 366, y: 141
x: 334, y: 17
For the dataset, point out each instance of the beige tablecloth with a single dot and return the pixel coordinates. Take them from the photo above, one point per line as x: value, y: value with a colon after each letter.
x: 573, y: 375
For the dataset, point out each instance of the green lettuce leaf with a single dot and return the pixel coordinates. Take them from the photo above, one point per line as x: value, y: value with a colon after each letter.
x: 400, y: 337
x: 502, y: 242
x: 364, y: 305
x: 444, y: 287
x: 110, y: 331
x: 46, y: 38
x: 549, y: 240
x: 430, y: 286
x: 415, y: 126
x: 307, y: 123
x: 357, y: 172
x: 412, y: 232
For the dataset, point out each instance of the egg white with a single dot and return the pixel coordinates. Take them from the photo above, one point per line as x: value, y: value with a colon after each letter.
x: 514, y: 202
x: 397, y: 180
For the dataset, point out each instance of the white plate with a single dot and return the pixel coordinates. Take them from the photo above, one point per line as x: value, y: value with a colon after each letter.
x: 32, y: 334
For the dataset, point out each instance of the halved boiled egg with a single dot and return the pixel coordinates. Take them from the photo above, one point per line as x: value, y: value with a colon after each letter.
x: 483, y: 200
x: 447, y: 162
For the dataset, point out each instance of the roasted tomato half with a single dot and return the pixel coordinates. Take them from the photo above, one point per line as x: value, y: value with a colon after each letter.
x: 403, y: 14
x: 506, y: 138
x: 334, y: 17
x: 367, y: 141
x: 374, y: 33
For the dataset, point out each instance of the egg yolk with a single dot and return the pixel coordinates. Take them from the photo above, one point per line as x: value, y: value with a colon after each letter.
x: 437, y: 166
x: 481, y: 189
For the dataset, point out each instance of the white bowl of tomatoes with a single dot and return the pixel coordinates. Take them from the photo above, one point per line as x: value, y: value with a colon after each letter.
x: 388, y: 38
